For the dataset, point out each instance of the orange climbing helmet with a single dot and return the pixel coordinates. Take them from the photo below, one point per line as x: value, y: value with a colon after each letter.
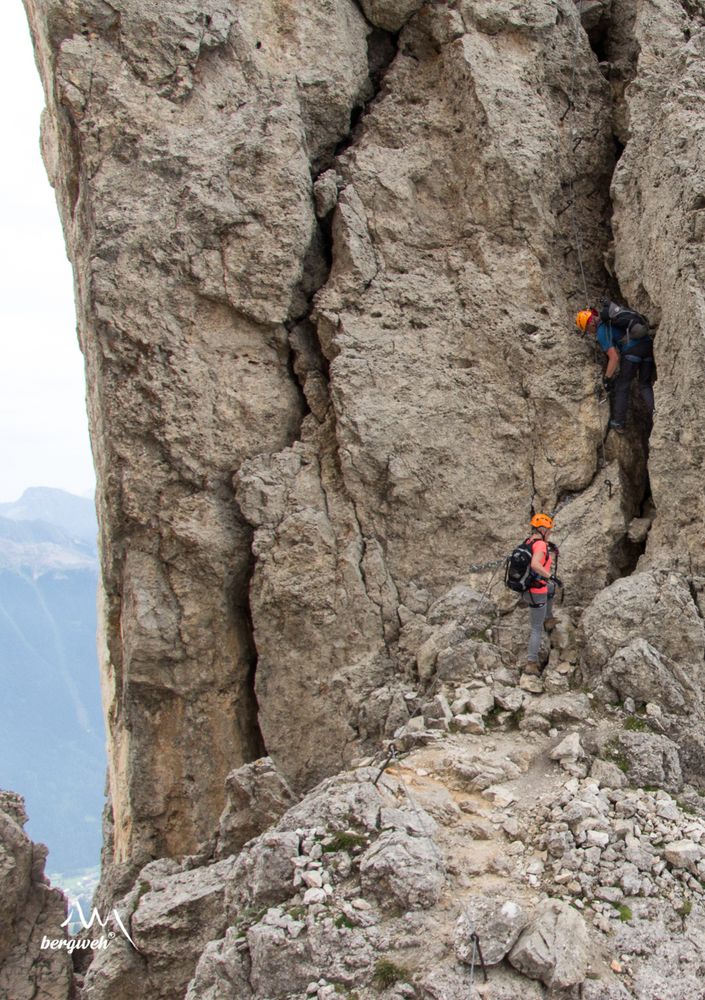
x: 541, y: 521
x: 584, y: 317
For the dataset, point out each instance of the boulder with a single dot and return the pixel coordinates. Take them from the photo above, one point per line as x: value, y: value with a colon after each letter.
x: 481, y: 701
x: 171, y: 915
x: 263, y: 872
x: 390, y: 15
x: 497, y: 921
x: 288, y: 954
x: 31, y: 912
x: 608, y: 774
x: 649, y: 758
x: 560, y: 708
x: 638, y: 671
x: 569, y: 749
x: 510, y: 699
x: 684, y: 854
x: 257, y: 795
x: 223, y: 970
x: 469, y: 723
x: 403, y: 871
x: 437, y: 713
x: 349, y: 800
x: 554, y: 946
x: 643, y: 638
x: 467, y: 660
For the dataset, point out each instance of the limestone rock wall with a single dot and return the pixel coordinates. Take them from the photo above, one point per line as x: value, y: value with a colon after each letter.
x: 180, y: 142
x: 31, y: 912
x: 326, y: 261
x: 659, y: 224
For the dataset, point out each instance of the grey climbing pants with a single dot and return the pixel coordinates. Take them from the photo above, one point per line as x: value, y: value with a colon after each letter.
x: 540, y: 608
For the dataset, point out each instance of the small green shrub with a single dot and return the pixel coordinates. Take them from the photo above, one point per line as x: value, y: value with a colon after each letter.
x: 634, y: 724
x: 343, y: 840
x: 343, y: 921
x: 684, y: 807
x: 386, y: 974
x: 624, y: 912
x: 686, y: 908
x: 142, y: 889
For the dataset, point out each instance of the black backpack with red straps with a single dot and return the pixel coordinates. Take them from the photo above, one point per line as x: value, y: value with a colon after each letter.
x: 517, y: 569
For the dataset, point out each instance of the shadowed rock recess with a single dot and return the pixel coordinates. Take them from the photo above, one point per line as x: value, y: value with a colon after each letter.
x: 327, y: 257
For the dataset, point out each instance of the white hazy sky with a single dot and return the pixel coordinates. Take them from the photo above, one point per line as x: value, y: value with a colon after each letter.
x: 43, y: 425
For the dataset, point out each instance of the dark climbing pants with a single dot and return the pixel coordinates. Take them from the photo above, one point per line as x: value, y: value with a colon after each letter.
x: 638, y: 363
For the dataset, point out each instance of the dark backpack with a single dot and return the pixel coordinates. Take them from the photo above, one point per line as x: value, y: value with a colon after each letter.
x: 626, y: 323
x: 517, y: 569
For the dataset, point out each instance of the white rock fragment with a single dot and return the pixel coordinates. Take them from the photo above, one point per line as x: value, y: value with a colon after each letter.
x: 684, y: 854
x: 469, y: 723
x: 312, y: 896
x: 569, y: 749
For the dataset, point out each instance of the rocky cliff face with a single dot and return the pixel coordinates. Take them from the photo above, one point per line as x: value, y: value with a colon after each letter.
x: 659, y: 228
x: 31, y: 914
x: 326, y: 259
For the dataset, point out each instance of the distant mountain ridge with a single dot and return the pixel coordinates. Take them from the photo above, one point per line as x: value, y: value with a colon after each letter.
x: 51, y: 727
x: 74, y: 515
x: 39, y: 546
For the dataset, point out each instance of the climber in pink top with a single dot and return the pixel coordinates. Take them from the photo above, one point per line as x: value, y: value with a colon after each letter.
x: 539, y: 596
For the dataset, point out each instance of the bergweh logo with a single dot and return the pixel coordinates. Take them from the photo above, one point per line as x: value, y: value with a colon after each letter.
x: 84, y: 944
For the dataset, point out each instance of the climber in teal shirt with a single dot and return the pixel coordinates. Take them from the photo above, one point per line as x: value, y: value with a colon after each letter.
x: 627, y: 358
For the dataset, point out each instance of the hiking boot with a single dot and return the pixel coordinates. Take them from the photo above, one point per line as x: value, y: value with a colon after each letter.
x: 550, y: 623
x: 617, y: 428
x: 532, y: 668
